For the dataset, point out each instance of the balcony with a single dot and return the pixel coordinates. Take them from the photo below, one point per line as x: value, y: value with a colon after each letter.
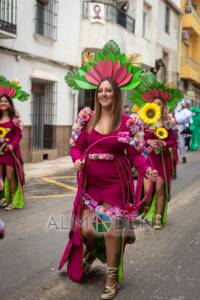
x: 8, y: 19
x: 190, y: 69
x: 110, y: 14
x: 191, y: 20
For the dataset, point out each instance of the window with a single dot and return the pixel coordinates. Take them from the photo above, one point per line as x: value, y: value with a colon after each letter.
x: 146, y: 30
x: 43, y: 114
x: 167, y: 19
x: 8, y: 16
x: 46, y: 18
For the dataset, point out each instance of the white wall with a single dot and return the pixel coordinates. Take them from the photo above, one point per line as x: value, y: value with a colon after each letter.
x: 167, y: 42
x: 22, y: 70
x: 96, y: 35
x: 65, y: 49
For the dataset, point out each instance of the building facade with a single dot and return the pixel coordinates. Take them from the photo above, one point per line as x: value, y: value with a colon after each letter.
x: 190, y: 50
x: 148, y: 27
x: 39, y: 42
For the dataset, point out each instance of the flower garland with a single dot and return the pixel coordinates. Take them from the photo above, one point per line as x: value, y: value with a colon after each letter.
x: 84, y: 116
x: 137, y: 132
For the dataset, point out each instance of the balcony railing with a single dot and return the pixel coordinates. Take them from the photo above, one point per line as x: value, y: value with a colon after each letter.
x: 189, y: 9
x: 112, y: 14
x: 190, y: 62
x: 8, y: 16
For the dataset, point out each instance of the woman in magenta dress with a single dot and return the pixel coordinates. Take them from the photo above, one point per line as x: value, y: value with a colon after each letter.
x: 161, y: 144
x: 103, y: 142
x: 11, y: 164
x: 161, y: 157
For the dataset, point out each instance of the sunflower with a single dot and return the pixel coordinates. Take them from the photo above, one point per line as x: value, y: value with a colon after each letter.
x: 150, y: 113
x: 161, y: 133
x: 135, y: 108
x: 3, y: 132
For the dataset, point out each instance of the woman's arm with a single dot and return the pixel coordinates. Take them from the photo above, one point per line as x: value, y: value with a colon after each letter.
x: 78, y: 149
x: 78, y: 139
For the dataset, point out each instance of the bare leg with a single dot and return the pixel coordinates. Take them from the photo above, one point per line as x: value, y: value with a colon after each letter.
x: 113, y: 251
x: 160, y: 195
x: 87, y: 230
x: 1, y: 177
x: 147, y: 184
x: 11, y: 180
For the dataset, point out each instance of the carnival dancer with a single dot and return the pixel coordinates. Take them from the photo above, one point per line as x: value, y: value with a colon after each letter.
x: 105, y: 184
x: 156, y: 101
x: 11, y: 164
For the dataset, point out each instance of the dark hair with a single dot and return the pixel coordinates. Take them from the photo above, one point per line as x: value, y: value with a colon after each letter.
x: 117, y: 107
x: 11, y: 110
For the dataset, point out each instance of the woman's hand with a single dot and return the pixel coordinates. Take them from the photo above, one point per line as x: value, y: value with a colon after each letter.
x: 153, y: 143
x: 151, y: 174
x: 9, y: 147
x: 78, y: 164
x: 162, y: 143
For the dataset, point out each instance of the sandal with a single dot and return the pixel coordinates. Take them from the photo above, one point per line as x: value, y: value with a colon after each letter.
x: 88, y: 260
x: 111, y: 291
x: 3, y: 203
x: 9, y: 207
x: 158, y: 222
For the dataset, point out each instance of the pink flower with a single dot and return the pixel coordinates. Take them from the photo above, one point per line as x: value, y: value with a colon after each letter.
x: 123, y: 137
x: 130, y: 122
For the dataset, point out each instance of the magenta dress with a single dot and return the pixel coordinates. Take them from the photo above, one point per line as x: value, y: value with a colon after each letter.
x: 6, y: 158
x: 105, y: 180
x: 165, y: 163
x: 14, y: 135
x: 164, y: 167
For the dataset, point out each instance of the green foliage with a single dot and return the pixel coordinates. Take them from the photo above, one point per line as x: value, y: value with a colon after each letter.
x: 70, y: 79
x: 20, y: 95
x: 111, y: 47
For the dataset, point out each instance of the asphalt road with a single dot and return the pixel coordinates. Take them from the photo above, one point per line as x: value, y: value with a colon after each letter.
x: 160, y: 265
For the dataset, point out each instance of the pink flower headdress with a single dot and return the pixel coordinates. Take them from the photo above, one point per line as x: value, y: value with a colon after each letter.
x: 109, y: 63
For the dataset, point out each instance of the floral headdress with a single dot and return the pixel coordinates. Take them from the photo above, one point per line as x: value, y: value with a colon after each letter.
x: 150, y: 88
x: 12, y: 89
x: 110, y: 62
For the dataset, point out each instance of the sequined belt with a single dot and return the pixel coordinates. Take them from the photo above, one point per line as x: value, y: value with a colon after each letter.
x: 101, y: 156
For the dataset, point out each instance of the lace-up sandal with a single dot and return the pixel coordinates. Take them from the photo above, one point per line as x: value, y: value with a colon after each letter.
x: 111, y: 291
x: 3, y: 203
x: 88, y: 260
x: 158, y: 222
x: 9, y: 207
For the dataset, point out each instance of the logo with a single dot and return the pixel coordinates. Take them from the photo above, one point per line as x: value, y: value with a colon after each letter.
x: 101, y: 223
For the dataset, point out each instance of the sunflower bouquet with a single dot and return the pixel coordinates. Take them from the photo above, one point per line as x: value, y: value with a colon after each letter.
x: 3, y: 142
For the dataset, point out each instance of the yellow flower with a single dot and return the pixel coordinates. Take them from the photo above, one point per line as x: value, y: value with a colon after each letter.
x: 150, y: 113
x: 135, y: 59
x: 16, y: 82
x: 3, y: 132
x: 161, y: 133
x: 135, y: 108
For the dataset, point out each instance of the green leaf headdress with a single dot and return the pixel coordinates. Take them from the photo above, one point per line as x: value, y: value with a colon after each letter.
x: 109, y: 63
x: 150, y: 88
x: 12, y: 89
